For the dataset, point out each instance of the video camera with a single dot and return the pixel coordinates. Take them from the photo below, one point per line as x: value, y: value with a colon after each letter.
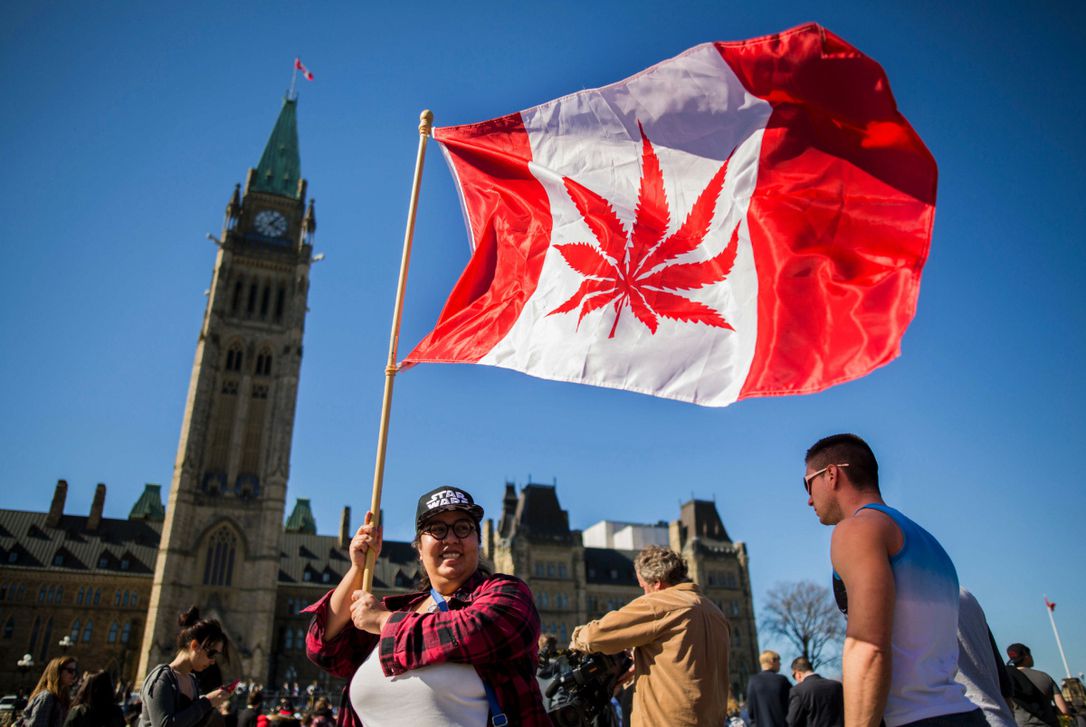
x: 577, y: 687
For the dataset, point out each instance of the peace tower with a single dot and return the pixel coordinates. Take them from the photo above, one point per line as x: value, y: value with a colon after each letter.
x: 220, y: 540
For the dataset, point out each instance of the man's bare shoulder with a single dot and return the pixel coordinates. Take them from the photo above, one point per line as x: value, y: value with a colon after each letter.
x: 865, y: 532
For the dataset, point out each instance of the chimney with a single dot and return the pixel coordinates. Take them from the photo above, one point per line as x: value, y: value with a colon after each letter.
x: 95, y: 518
x: 56, y: 510
x: 345, y: 528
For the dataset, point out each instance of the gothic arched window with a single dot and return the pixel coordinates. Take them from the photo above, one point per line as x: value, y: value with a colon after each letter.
x: 113, y: 628
x: 75, y: 630
x: 88, y: 630
x: 126, y: 632
x: 263, y: 363
x: 221, y: 550
x: 233, y: 358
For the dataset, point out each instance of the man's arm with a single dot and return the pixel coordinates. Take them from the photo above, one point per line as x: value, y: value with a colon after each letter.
x: 752, y: 701
x: 797, y: 710
x: 1061, y: 704
x: 632, y: 625
x: 860, y: 553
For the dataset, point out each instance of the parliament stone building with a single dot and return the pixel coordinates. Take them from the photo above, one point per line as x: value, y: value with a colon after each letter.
x: 108, y: 591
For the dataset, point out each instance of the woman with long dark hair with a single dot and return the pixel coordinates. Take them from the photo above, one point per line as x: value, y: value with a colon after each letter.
x: 49, y: 702
x: 93, y: 705
x: 170, y: 693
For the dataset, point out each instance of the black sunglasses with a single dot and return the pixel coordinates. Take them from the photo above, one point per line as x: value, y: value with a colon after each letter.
x: 70, y: 669
x: 440, y: 530
x: 808, y: 479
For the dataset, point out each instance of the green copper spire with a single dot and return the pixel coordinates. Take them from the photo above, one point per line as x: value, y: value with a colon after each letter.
x: 149, y: 506
x: 302, y: 520
x: 280, y: 166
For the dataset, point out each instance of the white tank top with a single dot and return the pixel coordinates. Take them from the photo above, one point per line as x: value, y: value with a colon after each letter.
x: 442, y: 694
x: 925, y: 632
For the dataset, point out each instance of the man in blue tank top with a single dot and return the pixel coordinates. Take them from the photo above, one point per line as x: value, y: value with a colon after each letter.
x: 898, y: 589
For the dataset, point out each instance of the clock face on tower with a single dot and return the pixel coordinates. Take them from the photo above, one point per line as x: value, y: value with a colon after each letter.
x: 270, y: 223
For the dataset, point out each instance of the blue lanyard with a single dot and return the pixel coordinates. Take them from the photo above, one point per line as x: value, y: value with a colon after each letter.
x: 498, y: 718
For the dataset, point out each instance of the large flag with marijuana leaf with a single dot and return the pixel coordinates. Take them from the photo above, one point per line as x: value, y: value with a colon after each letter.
x: 745, y: 219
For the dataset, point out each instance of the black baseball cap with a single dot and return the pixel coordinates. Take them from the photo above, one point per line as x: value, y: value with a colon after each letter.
x: 1017, y: 653
x: 442, y: 499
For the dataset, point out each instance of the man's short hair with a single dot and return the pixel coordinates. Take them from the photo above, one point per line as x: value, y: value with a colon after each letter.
x: 863, y: 468
x: 802, y: 664
x: 768, y: 658
x: 660, y: 565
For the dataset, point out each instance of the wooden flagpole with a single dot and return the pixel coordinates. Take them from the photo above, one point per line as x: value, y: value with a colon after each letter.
x: 426, y: 122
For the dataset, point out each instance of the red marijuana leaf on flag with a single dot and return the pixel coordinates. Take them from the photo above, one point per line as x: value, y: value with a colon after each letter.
x: 637, y: 270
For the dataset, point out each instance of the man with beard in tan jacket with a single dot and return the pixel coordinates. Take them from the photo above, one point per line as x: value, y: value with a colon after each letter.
x: 680, y: 641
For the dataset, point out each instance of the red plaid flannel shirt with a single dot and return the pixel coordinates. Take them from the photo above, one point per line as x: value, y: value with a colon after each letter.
x: 491, y: 624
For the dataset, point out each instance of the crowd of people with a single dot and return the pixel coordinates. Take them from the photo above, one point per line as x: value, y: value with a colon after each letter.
x: 464, y: 648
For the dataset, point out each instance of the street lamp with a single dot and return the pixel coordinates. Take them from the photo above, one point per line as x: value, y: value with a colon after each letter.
x: 25, y: 664
x: 65, y: 643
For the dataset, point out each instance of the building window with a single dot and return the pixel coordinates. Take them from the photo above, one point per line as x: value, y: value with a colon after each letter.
x: 41, y: 594
x: 234, y: 359
x: 75, y: 631
x: 563, y: 571
x: 103, y: 562
x: 13, y: 557
x: 279, y: 299
x: 33, y: 635
x: 60, y: 595
x: 9, y: 627
x: 288, y: 640
x: 538, y: 571
x: 58, y: 559
x: 88, y: 631
x: 550, y: 570
x: 79, y: 598
x: 124, y: 601
x: 97, y: 596
x: 117, y: 598
x: 544, y: 600
x: 221, y: 550
x: 237, y: 297
x: 126, y: 632
x: 45, y: 641
x: 125, y: 563
x: 264, y: 364
x: 112, y: 636
x: 307, y: 576
x: 135, y: 600
x: 4, y: 591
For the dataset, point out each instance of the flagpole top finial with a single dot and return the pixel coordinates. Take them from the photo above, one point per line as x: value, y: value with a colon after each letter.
x: 426, y: 121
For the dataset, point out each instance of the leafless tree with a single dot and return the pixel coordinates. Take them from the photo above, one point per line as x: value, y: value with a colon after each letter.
x: 804, y: 614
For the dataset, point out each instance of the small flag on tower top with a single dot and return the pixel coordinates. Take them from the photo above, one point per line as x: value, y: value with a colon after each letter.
x: 299, y: 66
x: 1051, y: 605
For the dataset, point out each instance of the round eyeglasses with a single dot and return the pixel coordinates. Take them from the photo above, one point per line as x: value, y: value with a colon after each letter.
x: 440, y: 530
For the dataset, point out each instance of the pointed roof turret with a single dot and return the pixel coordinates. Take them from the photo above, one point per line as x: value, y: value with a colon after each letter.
x: 301, y: 520
x: 149, y: 506
x: 280, y: 166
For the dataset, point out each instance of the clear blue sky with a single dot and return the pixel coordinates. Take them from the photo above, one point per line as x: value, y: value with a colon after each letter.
x: 128, y: 124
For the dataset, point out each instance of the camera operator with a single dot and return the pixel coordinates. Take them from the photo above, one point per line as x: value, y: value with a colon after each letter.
x: 680, y: 641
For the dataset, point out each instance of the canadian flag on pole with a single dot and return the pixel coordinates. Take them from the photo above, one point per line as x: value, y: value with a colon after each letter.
x: 299, y: 66
x: 1051, y: 605
x: 745, y: 219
